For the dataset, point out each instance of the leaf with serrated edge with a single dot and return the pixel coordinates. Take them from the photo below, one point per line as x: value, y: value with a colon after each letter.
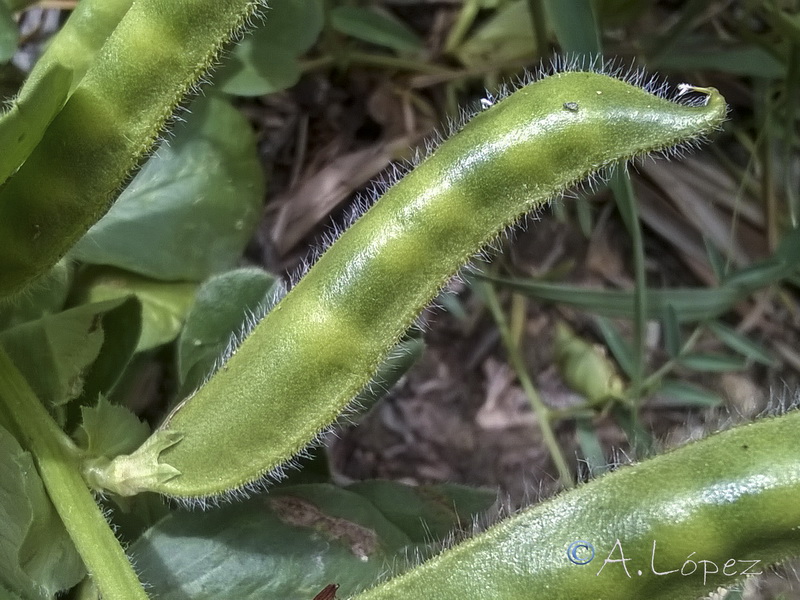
x: 109, y: 430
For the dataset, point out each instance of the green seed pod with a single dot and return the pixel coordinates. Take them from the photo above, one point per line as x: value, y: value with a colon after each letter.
x: 77, y: 43
x: 585, y: 368
x: 671, y: 528
x: 309, y: 357
x: 26, y: 119
x: 154, y: 56
x: 53, y: 78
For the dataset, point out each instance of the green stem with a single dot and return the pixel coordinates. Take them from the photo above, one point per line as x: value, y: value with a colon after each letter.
x: 56, y: 458
x: 466, y: 17
x: 367, y: 59
x: 514, y: 356
x: 391, y: 62
x: 539, y: 21
x: 623, y: 192
x: 767, y: 159
x: 652, y: 379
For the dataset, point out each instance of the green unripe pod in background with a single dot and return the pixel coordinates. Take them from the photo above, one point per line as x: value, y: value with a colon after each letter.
x: 80, y: 39
x: 674, y: 527
x: 144, y: 69
x: 54, y: 77
x: 585, y: 368
x: 309, y: 357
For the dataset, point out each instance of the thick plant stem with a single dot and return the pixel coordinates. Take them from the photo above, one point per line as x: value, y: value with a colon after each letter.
x: 55, y: 457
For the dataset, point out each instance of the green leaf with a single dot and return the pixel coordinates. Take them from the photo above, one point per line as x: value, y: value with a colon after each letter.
x: 506, y: 37
x: 680, y: 393
x: 426, y: 513
x: 718, y: 263
x: 788, y: 249
x: 690, y: 304
x: 9, y: 35
x: 616, y: 13
x: 164, y: 305
x: 575, y: 26
x: 375, y: 27
x: 24, y: 124
x: 672, y: 331
x: 55, y: 352
x: 592, y: 449
x: 706, y: 55
x: 714, y: 363
x: 192, y: 208
x: 266, y: 61
x: 220, y: 309
x: 122, y: 328
x: 250, y: 74
x: 762, y: 274
x: 37, y: 557
x: 639, y: 438
x: 741, y: 343
x: 109, y: 430
x: 619, y: 346
x: 286, y: 545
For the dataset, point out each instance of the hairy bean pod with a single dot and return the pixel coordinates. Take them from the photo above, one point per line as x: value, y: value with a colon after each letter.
x: 305, y: 361
x: 80, y: 39
x: 154, y: 56
x: 674, y: 527
x: 55, y: 75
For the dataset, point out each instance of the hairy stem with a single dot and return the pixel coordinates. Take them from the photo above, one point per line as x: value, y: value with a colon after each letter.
x: 55, y: 457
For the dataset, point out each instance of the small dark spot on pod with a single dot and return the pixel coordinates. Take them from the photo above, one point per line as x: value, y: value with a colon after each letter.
x: 745, y: 446
x: 571, y: 106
